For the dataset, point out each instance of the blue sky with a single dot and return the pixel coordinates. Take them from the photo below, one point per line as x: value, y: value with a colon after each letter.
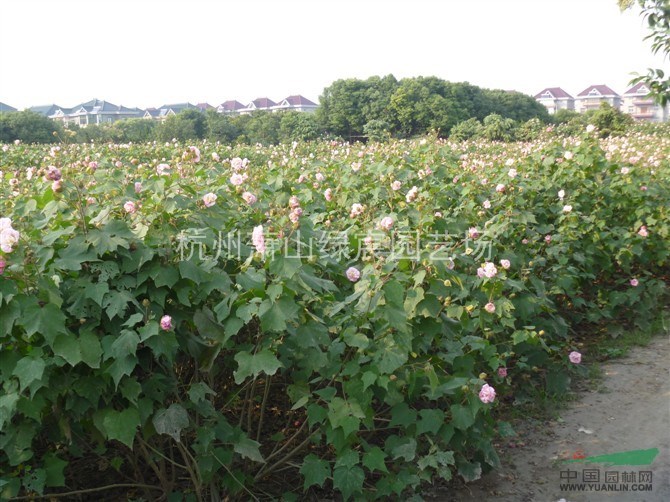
x: 149, y: 52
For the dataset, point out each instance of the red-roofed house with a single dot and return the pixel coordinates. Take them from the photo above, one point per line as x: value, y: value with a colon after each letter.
x: 638, y: 103
x: 231, y: 106
x: 591, y: 98
x: 296, y: 103
x: 258, y: 104
x: 554, y: 99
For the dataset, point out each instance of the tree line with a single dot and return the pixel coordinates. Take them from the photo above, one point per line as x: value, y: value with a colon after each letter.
x: 374, y: 109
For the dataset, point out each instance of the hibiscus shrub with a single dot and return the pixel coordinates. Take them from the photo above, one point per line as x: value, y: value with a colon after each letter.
x: 319, y: 317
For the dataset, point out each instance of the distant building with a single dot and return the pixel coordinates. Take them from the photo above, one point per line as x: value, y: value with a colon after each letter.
x: 256, y: 105
x: 167, y: 110
x: 638, y: 103
x: 6, y: 108
x: 296, y: 103
x: 592, y: 97
x: 91, y: 112
x: 231, y: 107
x: 554, y: 99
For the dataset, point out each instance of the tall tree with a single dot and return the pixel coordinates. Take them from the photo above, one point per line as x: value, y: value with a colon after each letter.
x: 657, y: 14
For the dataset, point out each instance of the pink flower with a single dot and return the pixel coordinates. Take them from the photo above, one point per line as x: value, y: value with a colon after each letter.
x: 130, y: 207
x: 356, y: 210
x: 386, y: 223
x: 215, y: 157
x: 118, y: 164
x: 57, y: 186
x: 512, y: 173
x: 249, y: 198
x: 293, y: 202
x: 500, y: 188
x: 487, y: 204
x: 396, y: 185
x: 634, y: 282
x: 93, y: 165
x: 319, y: 177
x: 438, y: 214
x: 412, y: 194
x: 505, y: 264
x: 328, y: 194
x: 194, y: 153
x: 502, y: 372
x: 487, y: 394
x: 487, y: 270
x: 643, y: 232
x: 568, y: 155
x: 547, y: 238
x: 490, y: 307
x: 166, y: 323
x: 209, y: 199
x: 138, y: 187
x: 575, y: 357
x: 53, y: 173
x: 353, y: 274
x: 258, y: 239
x: 643, y: 188
x: 237, y: 179
x: 3, y: 264
x: 473, y: 233
x: 295, y: 214
x: 625, y: 170
x: 8, y: 236
x: 163, y: 169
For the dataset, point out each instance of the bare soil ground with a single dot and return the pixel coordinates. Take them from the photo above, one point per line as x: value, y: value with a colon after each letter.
x: 628, y: 410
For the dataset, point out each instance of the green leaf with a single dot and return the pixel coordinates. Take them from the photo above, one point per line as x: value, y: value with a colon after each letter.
x: 406, y: 450
x: 431, y: 421
x: 190, y: 270
x: 76, y: 253
x: 91, y: 350
x: 249, y: 448
x: 166, y: 276
x: 7, y: 408
x: 116, y: 303
x: 8, y: 290
x: 171, y: 421
x: 48, y: 320
x: 471, y: 471
x: 403, y: 415
x: 67, y: 347
x: 54, y: 467
x: 374, y: 459
x: 355, y: 339
x: 394, y: 294
x: 348, y: 480
x: 462, y: 416
x: 209, y: 328
x: 368, y: 379
x: 28, y: 370
x: 121, y: 425
x: 198, y: 392
x: 315, y: 471
x: 125, y: 344
x: 281, y: 311
x: 121, y: 367
x: 252, y: 365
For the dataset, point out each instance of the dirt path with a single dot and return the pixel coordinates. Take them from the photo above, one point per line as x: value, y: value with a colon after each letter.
x: 629, y: 411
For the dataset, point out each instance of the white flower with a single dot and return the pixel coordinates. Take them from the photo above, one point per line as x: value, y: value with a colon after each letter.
x: 561, y: 194
x: 567, y: 208
x: 209, y: 199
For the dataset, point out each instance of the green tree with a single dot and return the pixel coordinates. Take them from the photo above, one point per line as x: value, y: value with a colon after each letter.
x: 188, y: 124
x: 221, y: 127
x: 298, y: 126
x: 657, y: 14
x: 29, y: 127
x: 498, y: 128
x: 133, y: 130
x: 609, y: 120
x: 467, y: 129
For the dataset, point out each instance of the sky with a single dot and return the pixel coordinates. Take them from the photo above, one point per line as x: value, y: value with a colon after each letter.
x: 147, y: 53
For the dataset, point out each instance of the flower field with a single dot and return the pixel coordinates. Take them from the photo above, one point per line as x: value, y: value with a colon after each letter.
x: 201, y: 321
